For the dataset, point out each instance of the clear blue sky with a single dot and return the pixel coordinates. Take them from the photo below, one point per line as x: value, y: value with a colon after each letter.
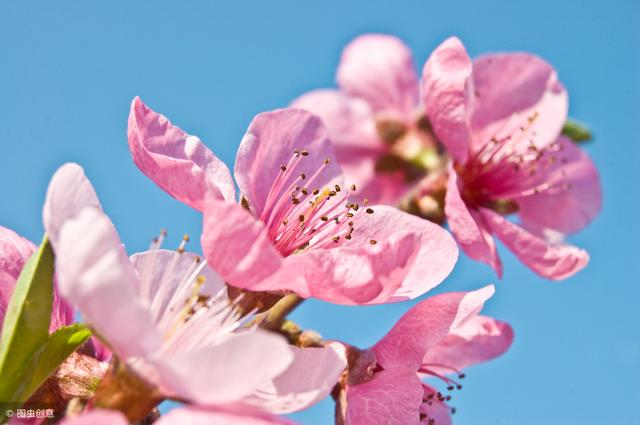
x: 69, y: 70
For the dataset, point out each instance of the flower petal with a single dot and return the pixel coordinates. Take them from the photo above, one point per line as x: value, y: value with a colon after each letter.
x: 351, y: 126
x: 14, y: 253
x: 392, y: 256
x: 521, y: 84
x: 95, y: 275
x: 69, y: 192
x: 392, y: 397
x: 270, y: 142
x: 573, y: 196
x: 469, y: 228
x: 220, y: 415
x: 166, y: 280
x: 177, y: 162
x: 310, y: 378
x: 97, y: 417
x: 238, y: 365
x: 379, y: 68
x: 554, y: 262
x: 433, y: 252
x: 236, y: 246
x: 425, y: 325
x: 447, y: 95
x: 476, y: 340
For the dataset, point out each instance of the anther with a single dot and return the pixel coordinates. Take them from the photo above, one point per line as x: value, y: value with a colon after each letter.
x: 301, y: 218
x: 336, y: 239
x: 183, y: 243
x: 305, y: 153
x: 328, y: 160
x: 324, y: 218
x: 373, y: 242
x: 338, y: 189
x: 303, y: 176
x: 353, y: 187
x: 316, y: 191
x: 283, y: 168
x: 369, y: 211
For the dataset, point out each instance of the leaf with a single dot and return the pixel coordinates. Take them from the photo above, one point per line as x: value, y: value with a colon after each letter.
x: 26, y: 323
x: 576, y: 131
x: 45, y: 361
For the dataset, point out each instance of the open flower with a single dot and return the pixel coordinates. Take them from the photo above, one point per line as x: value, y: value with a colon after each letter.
x: 437, y: 337
x: 229, y: 415
x: 383, y: 140
x: 166, y: 316
x: 500, y: 117
x: 295, y: 227
x: 14, y: 253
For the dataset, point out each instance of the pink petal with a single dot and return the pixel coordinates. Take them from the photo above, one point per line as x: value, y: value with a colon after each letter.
x: 351, y: 126
x: 391, y: 398
x: 69, y: 192
x: 236, y: 245
x: 522, y: 84
x: 574, y: 196
x: 447, y: 95
x: 410, y: 256
x: 469, y: 228
x: 477, y: 340
x: 166, y: 279
x: 95, y: 275
x: 379, y: 68
x: 310, y: 378
x: 270, y: 142
x: 425, y: 325
x: 433, y: 252
x: 14, y: 253
x: 555, y: 262
x: 225, y: 372
x: 220, y: 415
x: 349, y: 121
x: 177, y: 162
x: 98, y: 417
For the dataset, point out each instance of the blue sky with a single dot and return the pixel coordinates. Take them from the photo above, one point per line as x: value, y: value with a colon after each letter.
x: 68, y: 71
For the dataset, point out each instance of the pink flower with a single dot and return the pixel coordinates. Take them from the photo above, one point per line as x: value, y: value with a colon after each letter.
x: 500, y: 118
x: 229, y: 415
x: 14, y: 253
x: 295, y: 228
x: 439, y: 336
x: 166, y: 313
x: 383, y: 141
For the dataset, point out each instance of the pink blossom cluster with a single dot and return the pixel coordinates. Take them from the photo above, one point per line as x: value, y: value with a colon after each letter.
x: 345, y: 196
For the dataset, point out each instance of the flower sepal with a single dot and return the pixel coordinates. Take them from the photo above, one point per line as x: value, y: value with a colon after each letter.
x: 125, y: 390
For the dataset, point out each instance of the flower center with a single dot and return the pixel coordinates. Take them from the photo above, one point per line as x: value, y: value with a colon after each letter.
x: 508, y: 166
x: 432, y: 395
x: 412, y: 148
x: 301, y: 214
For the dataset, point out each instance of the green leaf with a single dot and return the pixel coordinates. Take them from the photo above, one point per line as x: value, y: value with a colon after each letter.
x: 45, y: 361
x: 576, y: 131
x: 26, y: 323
